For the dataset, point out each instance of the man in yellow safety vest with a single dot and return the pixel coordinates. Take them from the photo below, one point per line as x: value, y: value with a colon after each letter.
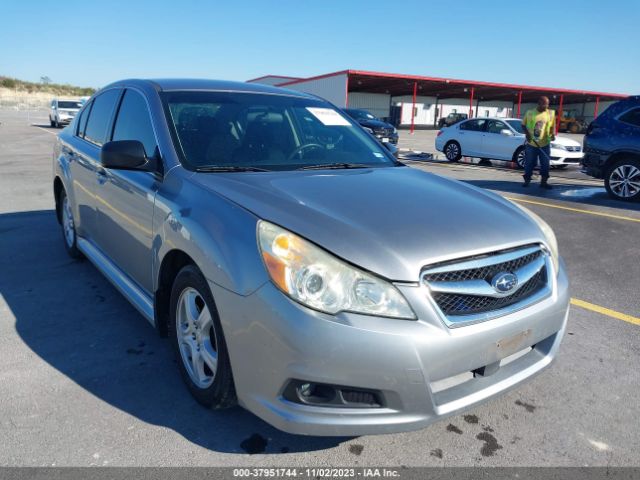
x: 539, y: 127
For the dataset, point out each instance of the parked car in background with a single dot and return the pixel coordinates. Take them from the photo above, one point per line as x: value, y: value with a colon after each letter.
x: 297, y: 267
x: 383, y: 131
x: 612, y: 149
x: 63, y: 111
x: 452, y: 119
x: 500, y: 139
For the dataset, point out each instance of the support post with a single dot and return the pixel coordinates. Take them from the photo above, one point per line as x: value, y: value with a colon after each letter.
x: 519, y: 102
x: 436, y: 114
x: 413, y: 107
x: 559, y: 116
x: 471, y: 102
x: 595, y: 113
x: 477, y: 105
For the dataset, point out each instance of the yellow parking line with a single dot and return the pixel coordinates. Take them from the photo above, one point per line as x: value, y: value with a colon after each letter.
x: 605, y: 311
x: 579, y: 210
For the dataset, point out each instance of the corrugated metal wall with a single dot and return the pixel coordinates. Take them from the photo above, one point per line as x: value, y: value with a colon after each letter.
x: 333, y: 88
x: 376, y: 103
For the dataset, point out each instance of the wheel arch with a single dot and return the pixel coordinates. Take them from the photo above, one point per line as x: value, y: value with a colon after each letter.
x: 171, y: 264
x: 621, y: 155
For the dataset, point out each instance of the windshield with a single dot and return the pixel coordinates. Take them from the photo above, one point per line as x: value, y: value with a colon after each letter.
x: 516, y: 125
x: 361, y: 114
x: 64, y: 104
x: 267, y: 132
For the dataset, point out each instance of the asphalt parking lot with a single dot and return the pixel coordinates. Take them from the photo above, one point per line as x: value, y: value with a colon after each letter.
x: 86, y: 381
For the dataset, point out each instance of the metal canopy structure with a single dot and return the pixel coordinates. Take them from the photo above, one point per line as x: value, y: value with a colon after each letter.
x: 442, y: 89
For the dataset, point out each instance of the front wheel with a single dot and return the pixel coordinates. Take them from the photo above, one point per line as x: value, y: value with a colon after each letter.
x: 519, y: 157
x: 52, y: 123
x: 198, y: 341
x: 623, y: 180
x: 452, y: 151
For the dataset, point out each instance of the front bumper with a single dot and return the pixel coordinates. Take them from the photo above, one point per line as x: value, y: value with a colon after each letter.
x: 564, y: 157
x: 417, y: 366
x: 391, y: 138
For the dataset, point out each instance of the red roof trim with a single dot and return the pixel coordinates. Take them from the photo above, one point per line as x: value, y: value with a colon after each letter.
x: 272, y: 76
x: 317, y: 77
x: 472, y: 83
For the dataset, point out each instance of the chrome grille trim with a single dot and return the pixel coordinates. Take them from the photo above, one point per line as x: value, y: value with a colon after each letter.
x: 470, y: 279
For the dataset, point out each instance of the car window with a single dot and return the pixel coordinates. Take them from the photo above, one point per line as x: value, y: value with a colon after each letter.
x: 495, y: 126
x: 82, y: 120
x: 134, y: 123
x: 100, y: 116
x: 476, y: 125
x: 273, y: 132
x: 69, y: 104
x: 516, y: 125
x: 632, y: 117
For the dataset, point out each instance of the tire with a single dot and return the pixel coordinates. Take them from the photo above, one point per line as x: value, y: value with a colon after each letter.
x: 51, y: 123
x: 518, y: 157
x: 561, y: 167
x: 56, y: 124
x: 195, y: 329
x: 68, y: 225
x: 452, y: 151
x: 622, y: 180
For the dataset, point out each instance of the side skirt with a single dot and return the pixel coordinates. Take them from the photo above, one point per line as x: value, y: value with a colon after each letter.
x: 136, y: 296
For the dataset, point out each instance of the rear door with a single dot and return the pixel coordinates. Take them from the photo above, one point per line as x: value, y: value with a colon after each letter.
x: 125, y: 198
x: 83, y: 157
x: 470, y: 135
x: 497, y: 145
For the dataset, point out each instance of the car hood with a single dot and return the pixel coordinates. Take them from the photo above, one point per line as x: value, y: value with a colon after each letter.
x: 390, y: 221
x: 374, y: 124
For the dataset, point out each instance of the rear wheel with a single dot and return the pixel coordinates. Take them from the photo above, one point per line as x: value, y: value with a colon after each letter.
x: 198, y: 341
x: 623, y: 180
x: 452, y: 151
x: 68, y: 226
x: 519, y: 157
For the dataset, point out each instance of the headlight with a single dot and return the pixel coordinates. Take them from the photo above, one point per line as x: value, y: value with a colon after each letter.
x: 549, y: 236
x: 558, y: 146
x: 320, y: 281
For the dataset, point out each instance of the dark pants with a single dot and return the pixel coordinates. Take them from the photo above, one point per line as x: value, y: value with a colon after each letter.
x: 531, y: 157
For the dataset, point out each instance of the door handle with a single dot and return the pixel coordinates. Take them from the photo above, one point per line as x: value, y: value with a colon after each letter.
x: 102, y: 176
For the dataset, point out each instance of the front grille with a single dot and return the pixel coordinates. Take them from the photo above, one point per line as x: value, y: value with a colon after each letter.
x: 573, y: 149
x: 453, y: 304
x: 385, y: 132
x: 484, y: 273
x: 464, y: 290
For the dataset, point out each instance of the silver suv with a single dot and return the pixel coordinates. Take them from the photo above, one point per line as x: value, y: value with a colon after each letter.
x: 296, y: 266
x: 63, y: 111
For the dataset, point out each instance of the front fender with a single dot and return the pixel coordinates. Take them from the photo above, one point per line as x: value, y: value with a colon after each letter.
x: 217, y: 234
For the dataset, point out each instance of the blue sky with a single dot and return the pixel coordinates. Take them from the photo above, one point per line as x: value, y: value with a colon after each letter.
x: 591, y: 45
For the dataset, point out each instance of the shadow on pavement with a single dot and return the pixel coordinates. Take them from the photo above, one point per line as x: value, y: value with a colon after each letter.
x: 578, y: 193
x: 71, y: 316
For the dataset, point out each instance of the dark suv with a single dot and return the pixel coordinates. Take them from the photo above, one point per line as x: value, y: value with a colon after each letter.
x: 612, y: 149
x: 383, y: 131
x: 452, y: 119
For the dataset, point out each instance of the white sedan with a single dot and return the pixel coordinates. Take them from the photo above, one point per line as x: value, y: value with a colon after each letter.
x: 499, y: 139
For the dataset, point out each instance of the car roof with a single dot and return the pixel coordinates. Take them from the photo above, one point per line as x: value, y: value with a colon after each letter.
x: 172, y: 84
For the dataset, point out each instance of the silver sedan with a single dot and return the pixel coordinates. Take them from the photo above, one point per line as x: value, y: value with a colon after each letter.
x: 296, y: 266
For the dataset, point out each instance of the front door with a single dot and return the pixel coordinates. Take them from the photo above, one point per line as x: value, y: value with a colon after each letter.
x: 125, y: 199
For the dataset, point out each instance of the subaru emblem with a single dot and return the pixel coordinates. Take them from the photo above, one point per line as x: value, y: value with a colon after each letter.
x: 504, y: 282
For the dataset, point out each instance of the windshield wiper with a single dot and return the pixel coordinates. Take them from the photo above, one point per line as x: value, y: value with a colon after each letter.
x: 229, y: 168
x: 333, y: 166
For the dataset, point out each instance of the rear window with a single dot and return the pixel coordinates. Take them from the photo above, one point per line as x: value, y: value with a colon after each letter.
x: 473, y: 125
x: 100, y: 116
x: 631, y: 117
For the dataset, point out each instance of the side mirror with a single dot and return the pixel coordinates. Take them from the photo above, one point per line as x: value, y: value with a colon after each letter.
x: 126, y: 155
x: 507, y: 132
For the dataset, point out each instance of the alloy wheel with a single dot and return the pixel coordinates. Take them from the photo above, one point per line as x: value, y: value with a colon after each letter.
x: 452, y: 151
x: 67, y: 223
x: 624, y: 181
x: 196, y: 338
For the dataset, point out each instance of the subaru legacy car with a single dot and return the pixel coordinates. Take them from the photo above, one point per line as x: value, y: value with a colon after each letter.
x: 500, y: 139
x: 296, y: 266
